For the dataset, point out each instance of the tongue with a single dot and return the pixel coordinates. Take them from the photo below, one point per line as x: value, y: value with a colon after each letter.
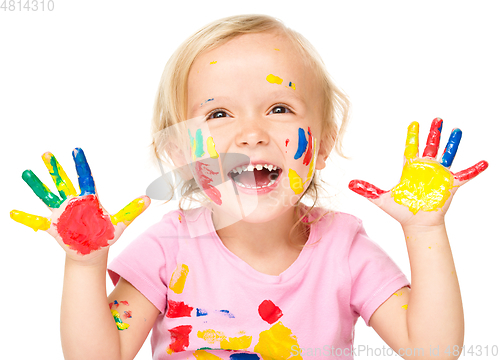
x: 255, y: 178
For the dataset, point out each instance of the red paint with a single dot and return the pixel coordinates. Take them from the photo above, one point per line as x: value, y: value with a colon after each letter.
x: 110, y: 305
x: 178, y: 309
x: 433, y: 139
x: 308, y: 155
x: 127, y: 314
x: 471, y: 172
x: 365, y: 189
x: 286, y: 142
x: 124, y: 303
x: 269, y: 312
x: 83, y: 226
x: 204, y: 179
x: 180, y: 337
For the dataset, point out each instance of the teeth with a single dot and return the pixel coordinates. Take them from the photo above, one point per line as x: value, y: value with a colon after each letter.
x: 242, y: 168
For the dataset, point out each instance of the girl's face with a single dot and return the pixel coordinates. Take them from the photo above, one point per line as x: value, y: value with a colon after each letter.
x: 253, y: 96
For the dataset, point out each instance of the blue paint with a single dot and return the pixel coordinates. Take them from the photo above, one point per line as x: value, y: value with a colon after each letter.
x: 451, y: 148
x: 201, y: 312
x: 227, y: 313
x: 245, y: 356
x: 302, y: 144
x: 85, y: 179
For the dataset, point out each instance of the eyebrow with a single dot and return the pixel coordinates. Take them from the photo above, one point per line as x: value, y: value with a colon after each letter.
x: 285, y: 95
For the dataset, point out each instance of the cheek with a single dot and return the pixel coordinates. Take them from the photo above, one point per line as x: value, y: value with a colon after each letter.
x: 301, y: 152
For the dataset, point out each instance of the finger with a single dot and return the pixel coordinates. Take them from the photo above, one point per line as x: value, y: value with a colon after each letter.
x: 42, y: 191
x: 131, y: 211
x: 366, y: 189
x: 451, y: 148
x: 63, y: 183
x: 472, y: 172
x: 411, y: 148
x: 85, y: 179
x: 433, y: 139
x: 33, y: 221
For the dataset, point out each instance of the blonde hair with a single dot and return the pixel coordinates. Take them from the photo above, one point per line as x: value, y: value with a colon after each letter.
x: 170, y: 105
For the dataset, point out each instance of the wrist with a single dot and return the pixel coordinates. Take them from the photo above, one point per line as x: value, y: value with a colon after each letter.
x: 411, y: 229
x: 91, y: 260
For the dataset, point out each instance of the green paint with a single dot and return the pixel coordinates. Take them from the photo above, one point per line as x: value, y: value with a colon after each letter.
x: 199, y: 144
x: 41, y: 190
x: 57, y: 177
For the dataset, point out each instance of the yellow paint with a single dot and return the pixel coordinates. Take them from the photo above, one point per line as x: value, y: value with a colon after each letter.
x: 277, y: 49
x: 129, y: 212
x: 429, y: 247
x: 180, y: 219
x: 33, y: 221
x: 204, y: 355
x: 274, y: 79
x: 401, y: 293
x: 293, y: 86
x: 211, y: 336
x: 236, y: 343
x: 405, y: 307
x: 276, y: 343
x: 178, y: 278
x: 425, y: 185
x: 411, y: 148
x: 213, y: 62
x: 63, y: 183
x: 295, y: 181
x: 211, y: 148
x: 119, y: 324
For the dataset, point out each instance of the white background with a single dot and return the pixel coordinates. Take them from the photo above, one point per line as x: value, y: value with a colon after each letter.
x: 85, y: 75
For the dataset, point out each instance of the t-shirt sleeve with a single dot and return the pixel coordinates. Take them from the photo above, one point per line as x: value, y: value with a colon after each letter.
x: 143, y: 263
x: 374, y: 275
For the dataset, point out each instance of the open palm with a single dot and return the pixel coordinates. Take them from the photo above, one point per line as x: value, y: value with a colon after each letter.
x: 427, y: 186
x: 78, y: 222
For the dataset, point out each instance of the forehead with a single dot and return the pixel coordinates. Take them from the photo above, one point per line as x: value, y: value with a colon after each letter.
x: 242, y: 66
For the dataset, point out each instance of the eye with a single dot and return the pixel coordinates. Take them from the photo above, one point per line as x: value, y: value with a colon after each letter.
x: 280, y: 109
x: 217, y: 113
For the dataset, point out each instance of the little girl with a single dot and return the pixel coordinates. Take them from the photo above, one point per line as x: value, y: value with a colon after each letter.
x: 247, y: 115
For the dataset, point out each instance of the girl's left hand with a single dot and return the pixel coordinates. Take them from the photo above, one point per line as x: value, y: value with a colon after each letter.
x: 427, y: 186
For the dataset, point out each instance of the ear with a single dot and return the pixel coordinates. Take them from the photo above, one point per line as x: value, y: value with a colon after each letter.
x: 179, y: 160
x: 325, y: 148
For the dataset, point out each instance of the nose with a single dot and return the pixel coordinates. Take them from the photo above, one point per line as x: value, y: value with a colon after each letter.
x: 251, y: 133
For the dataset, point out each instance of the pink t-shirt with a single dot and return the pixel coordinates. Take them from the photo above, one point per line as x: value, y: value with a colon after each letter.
x: 213, y: 303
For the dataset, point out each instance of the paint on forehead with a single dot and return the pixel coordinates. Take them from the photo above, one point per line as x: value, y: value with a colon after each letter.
x: 424, y: 185
x: 302, y: 145
x: 205, y: 177
x: 179, y: 336
x: 203, y: 103
x: 213, y: 62
x: 211, y: 148
x: 178, y: 278
x: 33, y: 221
x: 83, y: 226
x: 277, y: 343
x: 291, y: 85
x: 274, y: 79
x: 277, y: 49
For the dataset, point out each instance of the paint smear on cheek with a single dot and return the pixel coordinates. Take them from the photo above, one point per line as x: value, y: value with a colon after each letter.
x: 296, y: 183
x: 302, y: 145
x: 424, y: 186
x: 179, y: 338
x: 83, y: 226
x: 204, y: 175
x: 211, y: 148
x: 178, y: 279
x: 277, y: 343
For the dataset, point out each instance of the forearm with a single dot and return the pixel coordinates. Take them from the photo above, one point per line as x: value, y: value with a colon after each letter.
x: 88, y: 330
x: 435, y: 312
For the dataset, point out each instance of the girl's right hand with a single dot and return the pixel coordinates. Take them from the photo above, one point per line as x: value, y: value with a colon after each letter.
x: 79, y: 223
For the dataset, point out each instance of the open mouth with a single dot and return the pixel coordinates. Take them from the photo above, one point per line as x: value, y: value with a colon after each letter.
x: 255, y: 176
